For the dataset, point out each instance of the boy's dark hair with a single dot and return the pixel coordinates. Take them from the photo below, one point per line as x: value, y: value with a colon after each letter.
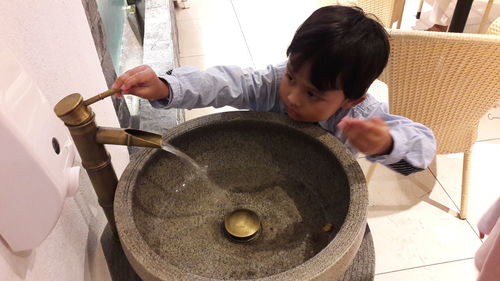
x: 347, y: 50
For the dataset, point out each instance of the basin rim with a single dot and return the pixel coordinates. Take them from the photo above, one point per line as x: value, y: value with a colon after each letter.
x: 334, y: 258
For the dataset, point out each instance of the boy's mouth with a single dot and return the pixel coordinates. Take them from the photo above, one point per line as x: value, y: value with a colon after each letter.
x: 292, y: 113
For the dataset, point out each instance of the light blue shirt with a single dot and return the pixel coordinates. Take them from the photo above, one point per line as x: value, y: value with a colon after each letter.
x: 414, y: 144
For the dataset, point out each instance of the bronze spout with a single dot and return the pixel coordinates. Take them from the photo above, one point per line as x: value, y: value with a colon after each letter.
x: 89, y: 140
x: 128, y: 137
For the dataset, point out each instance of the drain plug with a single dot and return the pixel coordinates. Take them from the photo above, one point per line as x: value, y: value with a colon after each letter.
x: 242, y: 225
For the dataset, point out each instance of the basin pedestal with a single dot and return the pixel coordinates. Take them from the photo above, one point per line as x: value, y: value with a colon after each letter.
x: 362, y: 267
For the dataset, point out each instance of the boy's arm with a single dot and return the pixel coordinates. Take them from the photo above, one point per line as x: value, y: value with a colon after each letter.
x: 414, y: 145
x: 222, y: 85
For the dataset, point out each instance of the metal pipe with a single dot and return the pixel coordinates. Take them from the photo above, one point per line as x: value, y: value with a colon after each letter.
x: 460, y: 15
x: 101, y: 96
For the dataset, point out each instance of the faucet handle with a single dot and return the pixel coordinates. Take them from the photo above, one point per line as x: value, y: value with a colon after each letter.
x: 101, y: 96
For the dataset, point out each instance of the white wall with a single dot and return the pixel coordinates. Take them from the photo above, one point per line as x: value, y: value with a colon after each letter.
x: 52, y: 41
x: 72, y: 251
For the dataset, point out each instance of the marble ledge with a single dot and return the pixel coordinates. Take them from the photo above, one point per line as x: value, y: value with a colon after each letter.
x: 160, y: 51
x: 160, y: 37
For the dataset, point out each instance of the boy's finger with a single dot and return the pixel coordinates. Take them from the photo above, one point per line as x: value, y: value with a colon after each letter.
x: 358, y: 125
x: 378, y: 120
x: 142, y: 92
x: 134, y: 80
x: 352, y: 134
x: 135, y: 70
x: 120, y: 80
x: 359, y: 145
x: 126, y: 75
x: 359, y: 142
x: 354, y: 127
x: 375, y: 122
x: 342, y: 124
x: 346, y: 122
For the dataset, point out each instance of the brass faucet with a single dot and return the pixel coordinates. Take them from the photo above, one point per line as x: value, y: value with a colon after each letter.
x: 90, y: 139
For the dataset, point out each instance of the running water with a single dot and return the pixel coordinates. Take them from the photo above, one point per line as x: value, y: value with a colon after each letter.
x: 184, y: 157
x: 198, y: 182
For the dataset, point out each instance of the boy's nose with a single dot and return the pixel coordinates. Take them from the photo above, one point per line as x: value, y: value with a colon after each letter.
x: 294, y: 98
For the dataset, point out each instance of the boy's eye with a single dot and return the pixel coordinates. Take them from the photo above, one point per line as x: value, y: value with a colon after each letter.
x: 312, y: 95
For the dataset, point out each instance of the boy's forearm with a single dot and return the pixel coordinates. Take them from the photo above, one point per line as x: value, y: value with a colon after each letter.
x: 165, y: 89
x: 413, y: 150
x: 219, y: 86
x: 414, y: 145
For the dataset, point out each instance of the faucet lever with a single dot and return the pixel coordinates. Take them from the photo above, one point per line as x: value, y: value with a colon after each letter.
x: 101, y: 96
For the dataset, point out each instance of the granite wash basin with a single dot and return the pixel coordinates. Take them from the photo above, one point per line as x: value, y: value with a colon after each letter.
x: 307, y: 189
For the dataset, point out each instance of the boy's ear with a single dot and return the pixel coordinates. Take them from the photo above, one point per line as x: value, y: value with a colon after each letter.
x: 351, y: 103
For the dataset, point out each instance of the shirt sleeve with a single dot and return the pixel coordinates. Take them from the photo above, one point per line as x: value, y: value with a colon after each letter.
x: 414, y: 144
x: 223, y: 86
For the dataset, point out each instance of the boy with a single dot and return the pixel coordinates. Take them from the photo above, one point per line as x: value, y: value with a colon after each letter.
x: 333, y: 58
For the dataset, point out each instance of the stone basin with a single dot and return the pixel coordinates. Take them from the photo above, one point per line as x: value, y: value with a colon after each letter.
x: 307, y: 189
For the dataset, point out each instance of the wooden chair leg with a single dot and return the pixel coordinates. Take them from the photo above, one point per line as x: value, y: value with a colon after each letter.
x: 485, y: 19
x: 370, y: 172
x: 400, y: 13
x: 419, y: 12
x: 465, y: 185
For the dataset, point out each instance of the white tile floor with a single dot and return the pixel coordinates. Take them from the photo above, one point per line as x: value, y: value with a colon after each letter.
x: 415, y: 231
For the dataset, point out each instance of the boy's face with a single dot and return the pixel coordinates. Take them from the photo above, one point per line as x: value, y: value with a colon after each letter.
x: 303, y: 102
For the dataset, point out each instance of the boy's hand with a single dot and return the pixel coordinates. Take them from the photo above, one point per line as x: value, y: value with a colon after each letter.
x: 370, y: 137
x: 143, y: 82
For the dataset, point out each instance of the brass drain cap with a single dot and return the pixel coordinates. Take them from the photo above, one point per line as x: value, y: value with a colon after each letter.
x: 242, y: 225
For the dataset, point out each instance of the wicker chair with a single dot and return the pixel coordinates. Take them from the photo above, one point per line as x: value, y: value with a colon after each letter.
x: 494, y: 27
x: 446, y: 81
x: 387, y: 11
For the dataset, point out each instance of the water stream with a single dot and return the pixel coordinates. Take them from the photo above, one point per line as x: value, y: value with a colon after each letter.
x: 184, y: 157
x: 199, y: 179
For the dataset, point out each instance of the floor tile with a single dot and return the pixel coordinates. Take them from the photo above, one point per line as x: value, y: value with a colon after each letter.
x: 484, y: 181
x: 220, y: 37
x: 205, y: 20
x: 196, y: 61
x: 202, y: 62
x: 489, y: 125
x: 209, y: 35
x: 211, y: 28
x: 208, y: 60
x: 198, y: 112
x: 392, y: 193
x: 203, y: 10
x: 269, y: 36
x: 414, y: 222
x: 450, y: 271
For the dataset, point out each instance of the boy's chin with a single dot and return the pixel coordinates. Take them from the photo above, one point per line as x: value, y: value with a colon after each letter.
x: 301, y: 119
x: 295, y: 117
